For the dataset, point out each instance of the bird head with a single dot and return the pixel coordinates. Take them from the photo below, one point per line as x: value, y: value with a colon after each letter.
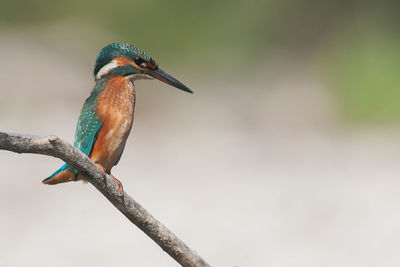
x: 133, y: 63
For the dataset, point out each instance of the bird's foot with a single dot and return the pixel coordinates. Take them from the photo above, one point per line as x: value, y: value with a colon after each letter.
x: 120, y: 187
x: 103, y: 171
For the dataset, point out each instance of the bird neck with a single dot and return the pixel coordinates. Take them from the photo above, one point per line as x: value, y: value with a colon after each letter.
x: 112, y: 69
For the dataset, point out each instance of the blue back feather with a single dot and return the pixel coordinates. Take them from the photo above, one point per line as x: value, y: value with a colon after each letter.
x: 88, y: 126
x: 89, y: 123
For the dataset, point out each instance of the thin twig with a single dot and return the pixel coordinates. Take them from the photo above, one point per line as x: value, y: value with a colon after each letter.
x: 57, y: 147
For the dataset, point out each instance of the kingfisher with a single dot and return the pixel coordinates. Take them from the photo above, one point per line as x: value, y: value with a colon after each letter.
x: 106, y: 117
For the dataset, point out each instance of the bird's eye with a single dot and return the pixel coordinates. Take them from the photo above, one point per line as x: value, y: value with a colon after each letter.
x: 138, y: 61
x: 144, y: 64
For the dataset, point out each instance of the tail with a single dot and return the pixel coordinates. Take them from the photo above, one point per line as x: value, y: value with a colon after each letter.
x: 65, y: 174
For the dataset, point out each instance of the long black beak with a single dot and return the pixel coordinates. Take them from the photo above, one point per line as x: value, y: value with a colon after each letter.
x: 168, y: 79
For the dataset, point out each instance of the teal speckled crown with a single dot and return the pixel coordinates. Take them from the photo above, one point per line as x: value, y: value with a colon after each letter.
x: 108, y: 53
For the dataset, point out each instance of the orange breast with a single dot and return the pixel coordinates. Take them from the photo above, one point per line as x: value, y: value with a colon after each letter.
x: 115, y: 108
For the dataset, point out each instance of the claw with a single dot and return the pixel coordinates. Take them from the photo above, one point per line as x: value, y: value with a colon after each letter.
x: 103, y: 171
x: 101, y: 168
x: 120, y: 187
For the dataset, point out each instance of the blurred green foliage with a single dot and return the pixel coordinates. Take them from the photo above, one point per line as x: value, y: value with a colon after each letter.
x: 219, y: 37
x: 218, y: 31
x: 364, y: 70
x: 191, y: 29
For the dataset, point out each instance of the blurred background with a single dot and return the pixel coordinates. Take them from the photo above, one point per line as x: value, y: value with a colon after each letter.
x: 286, y: 155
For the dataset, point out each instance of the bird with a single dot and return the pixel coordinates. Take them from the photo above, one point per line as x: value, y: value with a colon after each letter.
x: 106, y: 118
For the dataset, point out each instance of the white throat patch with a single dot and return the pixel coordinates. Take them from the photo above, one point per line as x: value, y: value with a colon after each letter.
x: 106, y: 69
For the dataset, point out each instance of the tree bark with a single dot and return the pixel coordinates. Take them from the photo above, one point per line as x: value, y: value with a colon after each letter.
x: 57, y: 147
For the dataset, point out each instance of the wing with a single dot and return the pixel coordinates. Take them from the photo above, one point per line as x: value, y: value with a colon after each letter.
x: 88, y: 126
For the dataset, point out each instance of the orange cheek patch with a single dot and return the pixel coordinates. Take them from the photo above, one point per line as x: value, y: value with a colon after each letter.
x: 122, y: 61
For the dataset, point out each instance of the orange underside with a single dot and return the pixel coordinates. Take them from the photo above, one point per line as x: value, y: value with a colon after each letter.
x: 115, y: 109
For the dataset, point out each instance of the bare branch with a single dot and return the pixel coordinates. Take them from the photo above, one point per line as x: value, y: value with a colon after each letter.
x: 56, y: 147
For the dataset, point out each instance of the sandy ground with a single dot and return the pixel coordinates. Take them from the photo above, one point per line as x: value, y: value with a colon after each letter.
x: 262, y: 176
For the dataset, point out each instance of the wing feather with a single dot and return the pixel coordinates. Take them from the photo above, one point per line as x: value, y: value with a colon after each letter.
x: 89, y: 124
